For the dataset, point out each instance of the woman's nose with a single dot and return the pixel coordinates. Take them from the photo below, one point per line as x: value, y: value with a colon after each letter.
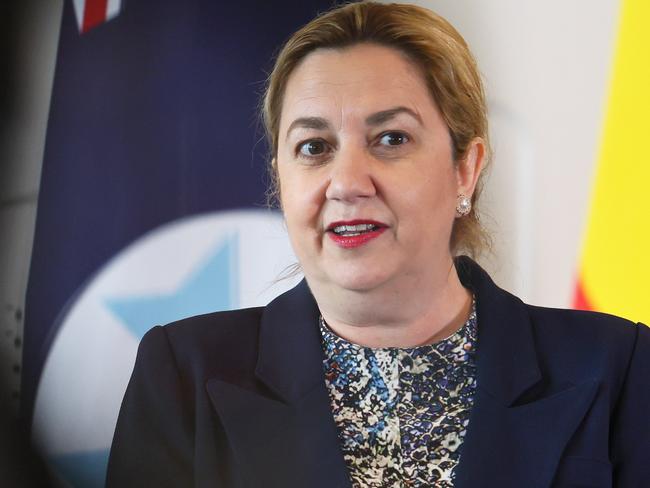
x: 351, y: 176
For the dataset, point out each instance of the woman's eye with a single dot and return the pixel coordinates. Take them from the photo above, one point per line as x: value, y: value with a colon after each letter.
x: 312, y: 148
x: 393, y: 139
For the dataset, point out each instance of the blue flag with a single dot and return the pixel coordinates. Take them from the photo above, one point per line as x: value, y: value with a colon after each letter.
x: 152, y: 200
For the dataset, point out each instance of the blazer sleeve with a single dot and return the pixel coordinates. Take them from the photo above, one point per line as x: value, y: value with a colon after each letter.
x: 631, y: 424
x: 153, y: 445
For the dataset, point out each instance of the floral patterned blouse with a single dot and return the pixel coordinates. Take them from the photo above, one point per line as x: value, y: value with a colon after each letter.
x: 402, y: 413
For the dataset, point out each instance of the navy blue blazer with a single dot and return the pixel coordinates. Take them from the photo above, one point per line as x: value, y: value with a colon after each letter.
x: 238, y: 399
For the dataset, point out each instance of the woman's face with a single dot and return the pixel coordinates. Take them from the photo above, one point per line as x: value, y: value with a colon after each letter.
x: 367, y: 181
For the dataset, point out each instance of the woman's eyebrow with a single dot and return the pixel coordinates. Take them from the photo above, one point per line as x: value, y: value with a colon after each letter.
x: 386, y: 115
x: 316, y: 123
x: 378, y: 118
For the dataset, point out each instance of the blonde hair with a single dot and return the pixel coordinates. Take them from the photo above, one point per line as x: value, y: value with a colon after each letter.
x: 432, y: 43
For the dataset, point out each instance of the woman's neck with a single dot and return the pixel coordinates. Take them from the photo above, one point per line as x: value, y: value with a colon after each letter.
x: 416, y: 311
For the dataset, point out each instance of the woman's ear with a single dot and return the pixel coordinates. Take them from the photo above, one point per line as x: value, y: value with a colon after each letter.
x: 469, y: 168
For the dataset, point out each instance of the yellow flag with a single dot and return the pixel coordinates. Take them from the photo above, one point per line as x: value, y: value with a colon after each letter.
x: 614, y: 274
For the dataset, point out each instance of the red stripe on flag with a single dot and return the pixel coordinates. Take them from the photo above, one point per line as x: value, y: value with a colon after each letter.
x: 580, y: 300
x: 94, y: 14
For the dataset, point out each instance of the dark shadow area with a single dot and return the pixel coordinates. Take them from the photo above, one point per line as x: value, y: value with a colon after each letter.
x: 20, y: 465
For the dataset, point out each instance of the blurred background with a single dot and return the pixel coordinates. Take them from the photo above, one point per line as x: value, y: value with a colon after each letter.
x: 132, y: 180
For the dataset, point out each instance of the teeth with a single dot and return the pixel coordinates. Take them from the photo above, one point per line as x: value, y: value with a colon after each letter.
x: 353, y: 230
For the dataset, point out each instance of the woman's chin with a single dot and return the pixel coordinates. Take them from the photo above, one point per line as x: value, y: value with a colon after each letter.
x: 359, y: 280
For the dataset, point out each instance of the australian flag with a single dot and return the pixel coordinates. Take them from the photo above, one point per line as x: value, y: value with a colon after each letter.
x: 151, y: 203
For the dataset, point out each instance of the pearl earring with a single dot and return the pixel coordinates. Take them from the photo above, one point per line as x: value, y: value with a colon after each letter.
x: 463, y: 205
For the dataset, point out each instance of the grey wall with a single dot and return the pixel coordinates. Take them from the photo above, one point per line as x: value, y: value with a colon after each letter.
x: 33, y: 42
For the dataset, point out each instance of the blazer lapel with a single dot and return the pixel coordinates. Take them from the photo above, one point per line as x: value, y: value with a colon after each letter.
x: 517, y: 446
x: 516, y: 433
x: 283, y: 433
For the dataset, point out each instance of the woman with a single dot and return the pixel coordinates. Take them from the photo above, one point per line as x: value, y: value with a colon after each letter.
x: 393, y: 363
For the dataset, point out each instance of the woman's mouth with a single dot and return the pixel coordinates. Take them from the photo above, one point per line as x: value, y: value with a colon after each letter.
x: 355, y: 233
x: 353, y: 230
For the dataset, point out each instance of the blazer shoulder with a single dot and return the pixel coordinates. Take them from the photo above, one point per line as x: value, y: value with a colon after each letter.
x: 224, y: 326
x: 214, y: 344
x: 596, y: 327
x: 592, y: 343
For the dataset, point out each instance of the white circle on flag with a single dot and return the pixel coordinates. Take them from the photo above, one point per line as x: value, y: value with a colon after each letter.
x: 195, y: 265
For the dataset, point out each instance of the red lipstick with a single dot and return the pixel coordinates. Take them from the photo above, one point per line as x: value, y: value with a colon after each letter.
x: 349, y: 234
